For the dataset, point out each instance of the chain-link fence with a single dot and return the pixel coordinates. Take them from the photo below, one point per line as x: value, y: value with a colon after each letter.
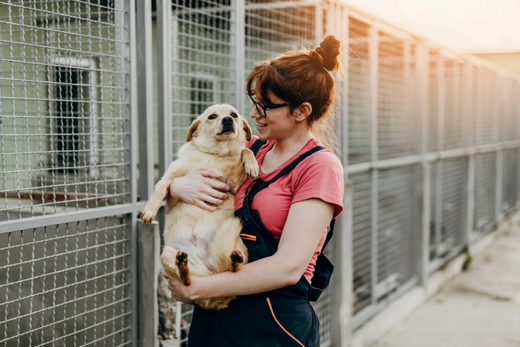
x: 66, y: 258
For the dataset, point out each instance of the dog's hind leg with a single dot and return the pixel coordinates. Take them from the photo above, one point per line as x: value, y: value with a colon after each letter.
x: 175, y: 263
x: 224, y: 243
x: 238, y: 256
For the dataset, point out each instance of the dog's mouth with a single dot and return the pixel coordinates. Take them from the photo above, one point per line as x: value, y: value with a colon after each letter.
x: 227, y: 128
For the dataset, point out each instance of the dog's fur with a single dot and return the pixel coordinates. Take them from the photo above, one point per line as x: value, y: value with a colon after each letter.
x: 199, y: 242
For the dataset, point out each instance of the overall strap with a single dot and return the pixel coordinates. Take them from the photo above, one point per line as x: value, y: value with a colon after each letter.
x: 291, y: 166
x: 256, y: 146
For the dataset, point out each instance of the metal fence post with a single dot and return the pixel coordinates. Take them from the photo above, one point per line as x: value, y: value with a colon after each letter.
x: 342, y: 284
x: 499, y: 178
x: 238, y: 48
x: 164, y: 83
x: 145, y: 100
x: 373, y: 53
x: 422, y: 71
x: 148, y: 253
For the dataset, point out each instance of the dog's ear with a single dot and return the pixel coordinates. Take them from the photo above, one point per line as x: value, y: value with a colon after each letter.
x: 192, y: 131
x: 247, y: 129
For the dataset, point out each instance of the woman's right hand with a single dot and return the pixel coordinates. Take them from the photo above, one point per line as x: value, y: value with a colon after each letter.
x: 200, y: 188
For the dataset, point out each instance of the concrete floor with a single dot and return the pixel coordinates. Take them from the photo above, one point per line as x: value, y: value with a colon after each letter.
x: 478, y: 308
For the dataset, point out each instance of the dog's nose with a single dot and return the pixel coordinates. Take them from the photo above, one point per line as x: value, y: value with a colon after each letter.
x: 227, y: 120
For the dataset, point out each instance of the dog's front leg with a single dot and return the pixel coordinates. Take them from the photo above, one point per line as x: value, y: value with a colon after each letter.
x: 247, y: 165
x: 162, y: 189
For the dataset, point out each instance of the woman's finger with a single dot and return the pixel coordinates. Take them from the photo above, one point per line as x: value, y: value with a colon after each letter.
x: 219, y: 185
x: 166, y: 275
x: 212, y: 200
x: 205, y: 206
x: 209, y: 174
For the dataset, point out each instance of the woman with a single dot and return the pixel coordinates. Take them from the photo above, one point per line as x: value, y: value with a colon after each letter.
x: 285, y: 213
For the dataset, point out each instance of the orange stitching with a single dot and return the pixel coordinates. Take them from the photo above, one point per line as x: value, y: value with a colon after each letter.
x: 281, y: 326
x: 248, y: 237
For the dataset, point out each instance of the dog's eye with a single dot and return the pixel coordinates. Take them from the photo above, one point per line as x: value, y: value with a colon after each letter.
x: 234, y: 115
x: 213, y: 116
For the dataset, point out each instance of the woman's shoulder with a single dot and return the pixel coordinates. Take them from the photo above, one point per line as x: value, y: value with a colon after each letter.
x: 325, y: 159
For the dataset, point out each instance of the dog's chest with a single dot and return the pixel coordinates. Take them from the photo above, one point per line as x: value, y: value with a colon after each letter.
x: 219, y: 165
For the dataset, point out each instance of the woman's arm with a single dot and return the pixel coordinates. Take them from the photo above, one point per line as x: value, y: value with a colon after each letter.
x: 198, y: 188
x: 306, y: 223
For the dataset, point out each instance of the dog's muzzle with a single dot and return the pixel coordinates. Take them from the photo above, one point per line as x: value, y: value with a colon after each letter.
x: 228, y: 125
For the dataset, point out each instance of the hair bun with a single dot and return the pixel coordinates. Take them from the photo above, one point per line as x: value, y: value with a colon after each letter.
x: 327, y: 53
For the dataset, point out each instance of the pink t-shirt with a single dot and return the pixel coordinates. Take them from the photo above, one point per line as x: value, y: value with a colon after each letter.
x: 318, y: 176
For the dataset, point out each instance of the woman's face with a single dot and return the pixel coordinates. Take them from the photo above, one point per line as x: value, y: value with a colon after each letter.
x: 278, y: 123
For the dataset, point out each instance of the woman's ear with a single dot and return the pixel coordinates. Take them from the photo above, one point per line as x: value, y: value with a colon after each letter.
x: 192, y: 131
x: 247, y: 130
x: 303, y: 111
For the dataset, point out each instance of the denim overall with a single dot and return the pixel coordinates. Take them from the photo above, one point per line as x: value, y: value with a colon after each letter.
x: 279, y: 318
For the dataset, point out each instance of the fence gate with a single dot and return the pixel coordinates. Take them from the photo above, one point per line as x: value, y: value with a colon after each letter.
x: 67, y: 214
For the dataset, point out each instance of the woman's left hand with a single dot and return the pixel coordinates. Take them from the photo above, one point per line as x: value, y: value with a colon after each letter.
x: 179, y: 291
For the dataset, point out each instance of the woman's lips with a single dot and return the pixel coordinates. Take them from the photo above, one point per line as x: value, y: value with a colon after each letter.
x: 260, y: 126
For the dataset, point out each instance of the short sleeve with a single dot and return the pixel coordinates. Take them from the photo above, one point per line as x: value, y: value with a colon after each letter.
x: 320, y: 176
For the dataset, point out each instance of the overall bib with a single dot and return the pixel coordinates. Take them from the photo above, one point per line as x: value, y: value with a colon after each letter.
x: 278, y: 318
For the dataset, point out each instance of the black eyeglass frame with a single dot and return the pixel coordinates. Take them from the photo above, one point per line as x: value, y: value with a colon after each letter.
x: 264, y: 108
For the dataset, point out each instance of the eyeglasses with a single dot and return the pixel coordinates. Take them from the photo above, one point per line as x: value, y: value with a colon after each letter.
x: 262, y: 110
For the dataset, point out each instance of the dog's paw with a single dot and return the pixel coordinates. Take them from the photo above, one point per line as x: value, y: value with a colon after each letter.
x: 148, y: 215
x: 251, y: 168
x: 237, y: 260
x: 250, y: 164
x: 182, y: 258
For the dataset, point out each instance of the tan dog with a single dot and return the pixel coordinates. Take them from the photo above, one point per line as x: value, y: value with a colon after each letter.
x: 199, y: 242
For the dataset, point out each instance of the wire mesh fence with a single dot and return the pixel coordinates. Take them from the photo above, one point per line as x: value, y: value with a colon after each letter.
x: 66, y: 284
x: 62, y: 100
x: 66, y: 260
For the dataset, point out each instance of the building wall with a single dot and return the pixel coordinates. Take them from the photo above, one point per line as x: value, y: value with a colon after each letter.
x: 508, y: 61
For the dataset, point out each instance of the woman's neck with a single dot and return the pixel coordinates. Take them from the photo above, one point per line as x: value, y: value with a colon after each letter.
x: 289, y: 146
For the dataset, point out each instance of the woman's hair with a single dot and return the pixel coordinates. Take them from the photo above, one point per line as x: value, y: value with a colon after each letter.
x: 302, y: 76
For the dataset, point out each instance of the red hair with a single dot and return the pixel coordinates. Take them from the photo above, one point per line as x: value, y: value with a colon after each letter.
x: 303, y: 76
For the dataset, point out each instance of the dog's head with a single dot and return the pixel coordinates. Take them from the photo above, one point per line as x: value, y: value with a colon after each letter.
x: 217, y: 125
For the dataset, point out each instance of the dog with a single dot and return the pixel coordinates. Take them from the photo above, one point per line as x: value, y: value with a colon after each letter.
x: 199, y: 242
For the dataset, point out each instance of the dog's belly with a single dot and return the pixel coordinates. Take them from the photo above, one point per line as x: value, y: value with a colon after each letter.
x: 192, y: 229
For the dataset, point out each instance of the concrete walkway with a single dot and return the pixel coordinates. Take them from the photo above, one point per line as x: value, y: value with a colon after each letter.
x: 478, y: 308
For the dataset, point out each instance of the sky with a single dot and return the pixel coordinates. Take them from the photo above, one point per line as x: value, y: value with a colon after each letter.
x: 474, y: 26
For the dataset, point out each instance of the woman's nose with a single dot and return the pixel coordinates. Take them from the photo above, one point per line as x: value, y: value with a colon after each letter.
x: 254, y: 113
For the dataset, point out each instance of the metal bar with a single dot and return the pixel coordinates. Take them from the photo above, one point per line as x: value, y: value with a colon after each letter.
x: 149, y: 246
x: 238, y: 43
x: 499, y: 185
x: 373, y: 53
x: 342, y: 284
x: 70, y: 217
x: 164, y: 80
x: 145, y: 97
x: 440, y: 146
x: 422, y: 68
x: 343, y: 247
x: 344, y: 34
x: 281, y: 5
x: 131, y: 95
x: 318, y: 23
x: 470, y: 198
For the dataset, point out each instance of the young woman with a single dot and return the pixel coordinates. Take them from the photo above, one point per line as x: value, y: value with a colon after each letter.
x: 285, y: 213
